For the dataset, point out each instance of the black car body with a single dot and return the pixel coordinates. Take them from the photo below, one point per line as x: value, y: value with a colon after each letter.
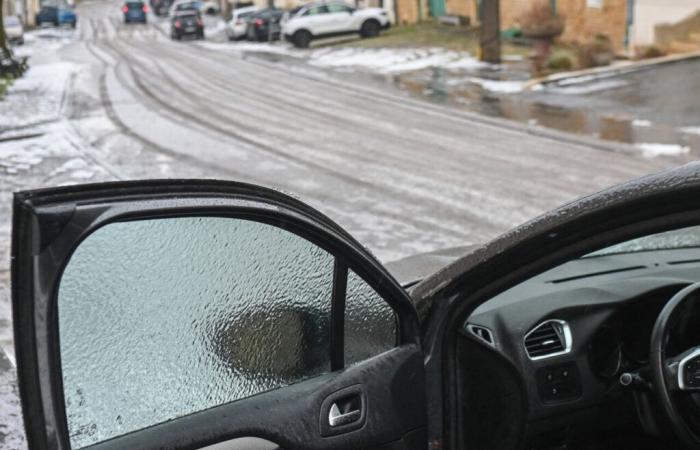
x: 573, y: 331
x: 161, y: 7
x: 264, y: 25
x: 135, y: 12
x: 186, y: 23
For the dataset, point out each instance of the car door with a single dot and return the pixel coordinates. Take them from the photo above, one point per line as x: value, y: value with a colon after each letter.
x: 339, y: 18
x: 206, y: 315
x: 315, y: 20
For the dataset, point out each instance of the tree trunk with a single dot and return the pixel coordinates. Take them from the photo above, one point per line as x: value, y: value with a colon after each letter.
x: 5, y: 52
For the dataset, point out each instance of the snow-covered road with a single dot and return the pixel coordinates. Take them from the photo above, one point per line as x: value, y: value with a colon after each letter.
x: 403, y: 176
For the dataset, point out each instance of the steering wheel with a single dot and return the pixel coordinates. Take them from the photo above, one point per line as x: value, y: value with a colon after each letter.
x: 674, y: 377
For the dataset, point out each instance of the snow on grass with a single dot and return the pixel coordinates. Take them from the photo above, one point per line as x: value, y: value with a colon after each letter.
x: 47, y: 81
x: 393, y: 60
x: 652, y: 150
x: 641, y: 123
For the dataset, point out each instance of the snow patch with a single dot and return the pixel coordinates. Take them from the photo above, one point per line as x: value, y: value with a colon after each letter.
x: 394, y: 60
x: 502, y: 86
x: 47, y: 81
x: 690, y: 130
x: 652, y: 150
x: 641, y: 123
x: 589, y: 87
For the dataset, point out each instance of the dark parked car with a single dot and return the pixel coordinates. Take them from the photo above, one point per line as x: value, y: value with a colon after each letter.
x: 186, y: 23
x: 57, y: 15
x: 264, y: 25
x: 193, y: 314
x: 161, y: 7
x: 135, y: 12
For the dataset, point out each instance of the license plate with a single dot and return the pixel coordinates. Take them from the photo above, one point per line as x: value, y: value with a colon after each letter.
x: 189, y: 29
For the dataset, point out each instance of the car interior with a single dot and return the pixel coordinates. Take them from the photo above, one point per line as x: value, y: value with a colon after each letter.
x: 563, y: 360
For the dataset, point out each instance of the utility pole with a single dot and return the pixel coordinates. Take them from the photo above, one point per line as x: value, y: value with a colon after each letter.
x: 490, y: 38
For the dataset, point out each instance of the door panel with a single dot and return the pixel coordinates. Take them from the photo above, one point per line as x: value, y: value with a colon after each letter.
x: 181, y: 314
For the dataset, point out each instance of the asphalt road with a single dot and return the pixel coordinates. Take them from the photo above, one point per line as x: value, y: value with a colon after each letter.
x: 404, y: 176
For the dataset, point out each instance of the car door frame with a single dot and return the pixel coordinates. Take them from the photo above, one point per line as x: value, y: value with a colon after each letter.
x: 651, y: 204
x: 48, y: 225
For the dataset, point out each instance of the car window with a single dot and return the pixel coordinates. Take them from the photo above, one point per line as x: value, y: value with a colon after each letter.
x: 165, y: 317
x: 134, y: 5
x: 336, y: 8
x: 321, y: 9
x: 246, y: 15
x: 370, y: 324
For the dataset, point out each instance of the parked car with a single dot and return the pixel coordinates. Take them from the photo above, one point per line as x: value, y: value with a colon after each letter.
x: 237, y: 27
x: 14, y: 31
x: 135, y: 11
x: 161, y: 7
x: 319, y: 20
x: 57, y: 15
x: 264, y: 25
x: 192, y: 314
x: 186, y: 23
x: 208, y: 7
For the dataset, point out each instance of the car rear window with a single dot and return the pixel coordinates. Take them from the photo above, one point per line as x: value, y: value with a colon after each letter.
x: 134, y: 5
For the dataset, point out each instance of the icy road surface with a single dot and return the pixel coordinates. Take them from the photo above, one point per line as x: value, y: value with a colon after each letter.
x: 110, y: 101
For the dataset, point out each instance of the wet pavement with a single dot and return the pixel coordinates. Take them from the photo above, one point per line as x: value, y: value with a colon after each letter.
x: 657, y: 105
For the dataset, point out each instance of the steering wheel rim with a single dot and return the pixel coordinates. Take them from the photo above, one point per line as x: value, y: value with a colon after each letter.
x: 663, y: 373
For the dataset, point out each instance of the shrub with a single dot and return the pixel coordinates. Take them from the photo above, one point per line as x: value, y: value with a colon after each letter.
x: 562, y: 60
x: 597, y: 52
x: 651, y: 51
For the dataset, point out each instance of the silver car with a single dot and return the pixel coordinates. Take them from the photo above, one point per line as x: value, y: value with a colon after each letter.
x: 14, y: 30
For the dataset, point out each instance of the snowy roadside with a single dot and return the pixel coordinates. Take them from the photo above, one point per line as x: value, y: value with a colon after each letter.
x: 38, y: 147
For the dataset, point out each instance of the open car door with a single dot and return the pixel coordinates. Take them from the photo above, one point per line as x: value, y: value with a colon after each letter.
x: 206, y: 314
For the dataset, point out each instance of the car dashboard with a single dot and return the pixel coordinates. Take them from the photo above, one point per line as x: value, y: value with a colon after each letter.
x: 560, y: 342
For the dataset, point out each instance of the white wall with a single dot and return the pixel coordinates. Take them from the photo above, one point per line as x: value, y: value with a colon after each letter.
x: 649, y: 13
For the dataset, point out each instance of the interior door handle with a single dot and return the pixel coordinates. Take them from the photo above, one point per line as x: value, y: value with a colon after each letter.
x: 337, y: 418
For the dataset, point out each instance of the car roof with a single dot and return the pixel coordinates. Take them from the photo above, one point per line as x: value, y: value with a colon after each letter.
x: 311, y: 5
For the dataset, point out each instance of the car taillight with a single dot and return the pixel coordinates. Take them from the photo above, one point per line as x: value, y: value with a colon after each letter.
x: 178, y: 24
x: 199, y: 22
x: 259, y: 22
x: 145, y: 8
x: 125, y: 9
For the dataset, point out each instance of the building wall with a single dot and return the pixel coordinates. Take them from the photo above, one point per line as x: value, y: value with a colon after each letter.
x: 650, y: 13
x: 463, y: 8
x: 408, y: 11
x: 587, y: 18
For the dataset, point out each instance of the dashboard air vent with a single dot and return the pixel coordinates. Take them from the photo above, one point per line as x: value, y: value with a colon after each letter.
x: 550, y: 338
x: 482, y: 333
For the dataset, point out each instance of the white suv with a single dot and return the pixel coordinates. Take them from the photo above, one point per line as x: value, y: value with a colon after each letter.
x: 317, y: 20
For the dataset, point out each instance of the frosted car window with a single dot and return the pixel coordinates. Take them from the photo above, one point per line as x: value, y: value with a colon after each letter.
x: 370, y: 326
x: 162, y: 318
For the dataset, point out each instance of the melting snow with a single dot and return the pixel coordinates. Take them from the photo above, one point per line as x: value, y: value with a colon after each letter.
x: 652, y: 150
x: 392, y: 60
x: 690, y: 130
x: 641, y: 123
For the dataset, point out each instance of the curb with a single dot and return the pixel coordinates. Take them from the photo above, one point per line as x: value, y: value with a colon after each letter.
x: 609, y: 71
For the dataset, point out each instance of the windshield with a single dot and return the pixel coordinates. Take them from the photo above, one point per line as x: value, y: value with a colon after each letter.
x: 682, y: 238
